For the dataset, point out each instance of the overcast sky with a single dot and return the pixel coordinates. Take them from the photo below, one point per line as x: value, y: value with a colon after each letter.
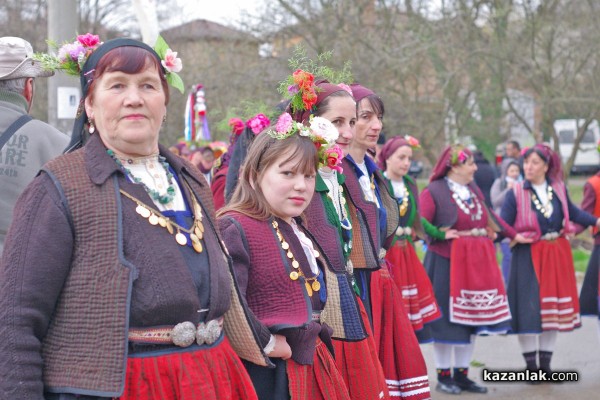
x: 222, y: 11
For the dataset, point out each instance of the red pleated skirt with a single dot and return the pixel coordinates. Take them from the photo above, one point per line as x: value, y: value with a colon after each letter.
x: 211, y: 373
x: 359, y: 365
x: 559, y: 302
x: 399, y: 352
x: 320, y: 381
x: 412, y: 281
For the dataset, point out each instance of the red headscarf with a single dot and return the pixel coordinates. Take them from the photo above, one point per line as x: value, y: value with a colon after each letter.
x: 390, y: 148
x: 360, y: 92
x: 324, y: 89
x: 451, y: 156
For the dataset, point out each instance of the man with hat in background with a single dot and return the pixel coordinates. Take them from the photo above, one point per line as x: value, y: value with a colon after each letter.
x: 25, y: 143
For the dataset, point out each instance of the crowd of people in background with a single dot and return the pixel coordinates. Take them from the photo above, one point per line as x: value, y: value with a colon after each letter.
x: 279, y: 265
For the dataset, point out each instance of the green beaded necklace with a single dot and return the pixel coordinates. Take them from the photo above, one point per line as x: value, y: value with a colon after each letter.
x: 161, y: 198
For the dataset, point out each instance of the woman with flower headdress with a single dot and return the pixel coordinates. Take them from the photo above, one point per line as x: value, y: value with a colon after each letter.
x: 542, y: 291
x: 405, y: 267
x: 327, y: 218
x: 298, y: 299
x: 116, y: 283
x: 589, y: 297
x: 462, y: 268
x: 374, y: 216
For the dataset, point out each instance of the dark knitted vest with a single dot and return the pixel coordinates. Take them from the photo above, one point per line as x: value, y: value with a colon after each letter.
x: 85, y: 348
x: 276, y: 300
x: 325, y: 233
x: 365, y: 220
x: 87, y: 335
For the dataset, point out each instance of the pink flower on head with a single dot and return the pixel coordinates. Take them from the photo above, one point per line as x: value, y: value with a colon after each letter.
x: 334, y: 157
x: 258, y: 123
x: 284, y: 123
x: 293, y: 89
x: 237, y: 125
x: 171, y: 62
x: 345, y: 87
x: 412, y: 141
x: 462, y: 157
x: 89, y: 40
x: 70, y: 52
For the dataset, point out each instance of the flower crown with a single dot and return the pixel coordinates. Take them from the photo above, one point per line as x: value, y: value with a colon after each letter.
x: 412, y: 141
x: 319, y: 130
x: 71, y: 57
x: 300, y: 87
x: 458, y: 155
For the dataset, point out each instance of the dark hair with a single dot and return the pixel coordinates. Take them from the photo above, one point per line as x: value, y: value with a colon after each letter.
x: 539, y: 151
x: 375, y: 102
x: 129, y: 60
x: 515, y: 144
x: 248, y: 197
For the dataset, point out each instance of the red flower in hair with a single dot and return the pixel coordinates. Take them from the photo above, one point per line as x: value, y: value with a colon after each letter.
x: 303, y: 79
x: 309, y: 98
x: 237, y: 125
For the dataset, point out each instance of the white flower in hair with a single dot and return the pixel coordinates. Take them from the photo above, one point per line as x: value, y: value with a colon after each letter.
x: 323, y: 129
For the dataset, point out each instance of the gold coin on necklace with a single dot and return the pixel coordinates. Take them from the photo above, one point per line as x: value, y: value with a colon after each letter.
x: 181, y: 239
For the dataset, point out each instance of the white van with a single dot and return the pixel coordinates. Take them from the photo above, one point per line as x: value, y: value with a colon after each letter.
x: 588, y: 158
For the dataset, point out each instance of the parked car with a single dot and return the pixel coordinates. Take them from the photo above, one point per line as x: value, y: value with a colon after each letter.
x: 587, y: 159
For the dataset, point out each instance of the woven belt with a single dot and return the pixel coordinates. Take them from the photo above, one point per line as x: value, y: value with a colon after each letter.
x: 316, y: 316
x: 401, y: 231
x: 550, y: 236
x: 183, y: 334
x: 477, y: 232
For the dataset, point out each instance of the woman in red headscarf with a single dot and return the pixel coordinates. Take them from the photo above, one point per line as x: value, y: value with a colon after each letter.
x: 405, y: 267
x: 464, y: 271
x: 542, y: 290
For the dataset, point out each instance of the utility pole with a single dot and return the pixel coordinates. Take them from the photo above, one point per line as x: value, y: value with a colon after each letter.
x: 63, y: 90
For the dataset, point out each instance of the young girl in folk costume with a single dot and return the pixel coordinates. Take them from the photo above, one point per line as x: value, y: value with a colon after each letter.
x: 374, y: 217
x: 542, y: 290
x: 589, y: 297
x: 327, y: 218
x: 405, y: 267
x: 298, y: 298
x: 463, y: 269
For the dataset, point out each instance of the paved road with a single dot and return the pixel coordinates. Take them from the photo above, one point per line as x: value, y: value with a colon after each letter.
x: 578, y: 350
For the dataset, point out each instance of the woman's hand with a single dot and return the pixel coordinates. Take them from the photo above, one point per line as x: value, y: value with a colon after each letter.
x: 451, y: 234
x: 522, y: 239
x: 282, y: 349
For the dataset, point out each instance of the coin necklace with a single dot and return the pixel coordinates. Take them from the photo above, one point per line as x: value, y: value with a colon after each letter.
x: 546, y: 210
x: 155, y: 217
x: 311, y: 284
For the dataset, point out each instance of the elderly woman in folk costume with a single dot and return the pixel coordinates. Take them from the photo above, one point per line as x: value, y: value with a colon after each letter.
x: 542, y: 290
x: 327, y: 218
x: 373, y: 213
x: 299, y: 299
x: 115, y: 280
x: 405, y: 267
x: 463, y: 269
